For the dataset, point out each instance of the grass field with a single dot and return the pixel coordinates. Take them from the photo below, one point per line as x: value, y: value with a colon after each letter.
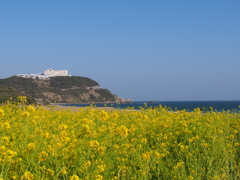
x: 90, y: 143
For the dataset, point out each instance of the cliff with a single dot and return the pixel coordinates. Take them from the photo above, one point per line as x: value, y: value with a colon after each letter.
x: 64, y: 89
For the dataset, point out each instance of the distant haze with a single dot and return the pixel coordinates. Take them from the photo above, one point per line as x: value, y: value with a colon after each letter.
x: 141, y: 50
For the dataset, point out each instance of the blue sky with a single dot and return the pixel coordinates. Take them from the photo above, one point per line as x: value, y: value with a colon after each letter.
x: 143, y: 50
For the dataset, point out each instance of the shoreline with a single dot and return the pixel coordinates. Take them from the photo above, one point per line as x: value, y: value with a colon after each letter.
x: 59, y: 104
x: 75, y: 108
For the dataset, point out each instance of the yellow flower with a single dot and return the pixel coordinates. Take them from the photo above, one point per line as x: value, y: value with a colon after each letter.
x: 115, y: 115
x: 64, y: 170
x: 50, y: 172
x: 42, y: 156
x: 100, y: 168
x: 5, y: 139
x: 86, y: 165
x: 190, y: 140
x: 74, y: 177
x: 99, y: 177
x: 122, y: 131
x: 31, y: 146
x: 104, y: 116
x: 62, y: 127
x: 25, y: 114
x: 190, y: 177
x: 6, y: 125
x: 231, y: 136
x: 11, y: 153
x: 146, y: 156
x: 30, y: 108
x: 157, y: 155
x: 93, y: 144
x: 2, y: 114
x: 85, y: 129
x: 28, y: 176
x: 144, y: 140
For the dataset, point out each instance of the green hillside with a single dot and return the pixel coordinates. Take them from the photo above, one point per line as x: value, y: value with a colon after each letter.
x: 6, y: 93
x: 64, y: 89
x: 68, y: 82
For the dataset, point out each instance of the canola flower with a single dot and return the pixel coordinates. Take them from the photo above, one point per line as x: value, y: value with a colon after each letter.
x: 2, y: 114
x: 97, y: 144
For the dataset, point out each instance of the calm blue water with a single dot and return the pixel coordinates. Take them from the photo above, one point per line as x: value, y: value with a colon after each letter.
x: 179, y: 105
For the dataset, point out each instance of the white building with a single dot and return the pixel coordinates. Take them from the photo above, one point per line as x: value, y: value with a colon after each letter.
x: 46, y: 75
x: 39, y: 76
x: 51, y: 72
x: 23, y: 75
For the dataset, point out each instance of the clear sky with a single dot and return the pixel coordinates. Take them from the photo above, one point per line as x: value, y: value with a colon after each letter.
x: 143, y: 50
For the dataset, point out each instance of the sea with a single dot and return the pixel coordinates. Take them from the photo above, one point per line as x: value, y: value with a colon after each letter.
x: 217, y: 106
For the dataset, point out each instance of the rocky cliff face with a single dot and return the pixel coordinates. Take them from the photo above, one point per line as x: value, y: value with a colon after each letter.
x: 73, y: 89
x: 121, y: 100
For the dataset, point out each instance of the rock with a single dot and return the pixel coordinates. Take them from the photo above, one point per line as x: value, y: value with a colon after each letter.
x: 152, y: 102
x: 121, y: 100
x: 128, y: 101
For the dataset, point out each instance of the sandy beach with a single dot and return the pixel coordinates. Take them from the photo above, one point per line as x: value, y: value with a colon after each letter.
x: 58, y: 107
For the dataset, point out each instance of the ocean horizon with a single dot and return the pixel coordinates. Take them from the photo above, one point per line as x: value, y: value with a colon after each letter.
x: 172, y: 105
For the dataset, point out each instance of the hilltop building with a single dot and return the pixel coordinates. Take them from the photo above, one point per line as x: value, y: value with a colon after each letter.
x: 51, y: 72
x: 46, y: 74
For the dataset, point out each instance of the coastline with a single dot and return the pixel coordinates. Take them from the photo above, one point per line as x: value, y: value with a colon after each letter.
x: 108, y: 102
x: 75, y: 108
x: 174, y: 105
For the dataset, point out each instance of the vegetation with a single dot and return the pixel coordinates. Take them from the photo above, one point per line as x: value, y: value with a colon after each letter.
x: 68, y: 82
x: 57, y: 89
x: 18, y: 83
x: 106, y: 94
x: 9, y: 93
x: 96, y: 144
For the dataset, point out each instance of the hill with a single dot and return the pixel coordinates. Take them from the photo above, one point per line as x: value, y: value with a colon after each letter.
x: 61, y: 89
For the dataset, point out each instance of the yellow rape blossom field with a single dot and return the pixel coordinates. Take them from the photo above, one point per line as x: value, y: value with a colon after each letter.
x: 98, y: 144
